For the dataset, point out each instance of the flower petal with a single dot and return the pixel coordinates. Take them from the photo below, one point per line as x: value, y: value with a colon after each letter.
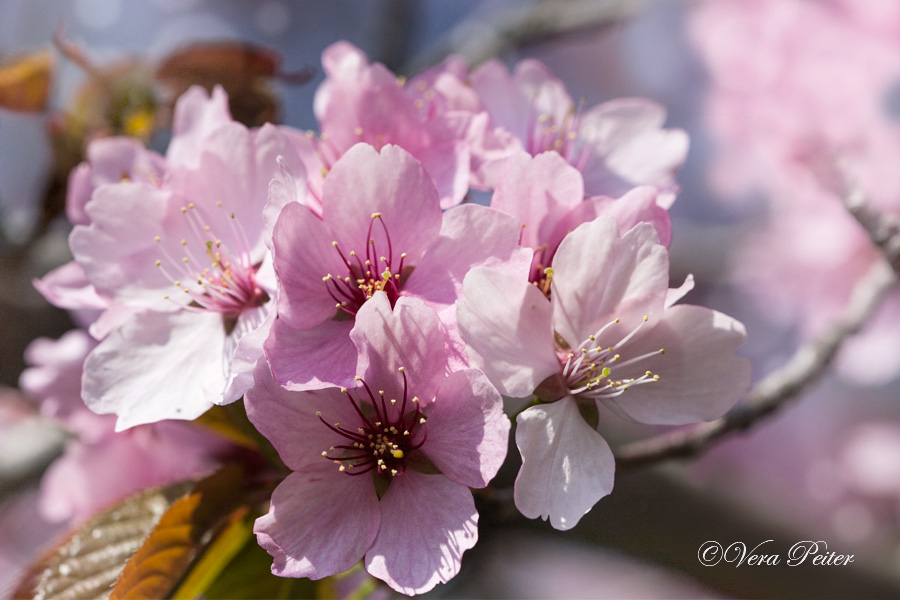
x: 427, y: 522
x: 538, y: 191
x: 304, y: 359
x: 470, y: 236
x: 566, y: 466
x: 468, y: 433
x: 321, y: 522
x: 157, y: 366
x: 288, y: 419
x: 700, y: 378
x: 303, y: 255
x: 391, y: 182
x: 197, y: 115
x: 505, y: 322
x: 599, y: 277
x: 409, y: 336
x: 638, y: 205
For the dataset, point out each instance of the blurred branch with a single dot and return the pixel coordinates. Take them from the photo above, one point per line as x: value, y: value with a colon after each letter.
x: 809, y: 363
x: 478, y: 39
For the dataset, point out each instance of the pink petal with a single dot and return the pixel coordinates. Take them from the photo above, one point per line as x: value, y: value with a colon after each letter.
x: 197, y: 115
x: 638, y: 205
x: 447, y: 163
x: 700, y: 378
x: 502, y: 98
x: 505, y: 322
x: 468, y: 433
x: 427, y: 522
x: 599, y: 277
x: 391, y: 182
x: 321, y: 522
x: 157, y: 366
x: 288, y: 419
x: 68, y: 287
x: 304, y: 359
x: 343, y: 60
x: 248, y: 350
x: 409, y: 336
x: 288, y: 185
x: 303, y: 254
x: 117, y: 250
x: 538, y: 191
x: 631, y: 148
x: 676, y: 294
x: 566, y: 466
x: 470, y: 236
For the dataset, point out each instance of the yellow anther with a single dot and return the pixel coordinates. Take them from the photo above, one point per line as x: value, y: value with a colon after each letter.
x: 358, y: 131
x: 156, y: 239
x: 397, y: 453
x: 376, y: 215
x: 646, y: 318
x: 158, y: 263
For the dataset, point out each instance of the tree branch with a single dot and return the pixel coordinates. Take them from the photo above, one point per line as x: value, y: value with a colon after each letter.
x: 808, y: 364
x: 478, y: 39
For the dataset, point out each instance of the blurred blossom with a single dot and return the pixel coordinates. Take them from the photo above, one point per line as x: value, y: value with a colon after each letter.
x: 801, y: 119
x: 100, y: 466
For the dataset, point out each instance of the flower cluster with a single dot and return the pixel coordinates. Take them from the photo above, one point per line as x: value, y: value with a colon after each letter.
x: 373, y: 320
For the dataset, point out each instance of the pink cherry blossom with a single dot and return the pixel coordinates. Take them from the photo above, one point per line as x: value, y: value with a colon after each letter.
x: 100, y: 466
x: 608, y: 336
x: 546, y: 195
x: 381, y: 229
x: 363, y: 102
x: 187, y: 256
x: 381, y: 469
x: 118, y: 159
x: 616, y: 145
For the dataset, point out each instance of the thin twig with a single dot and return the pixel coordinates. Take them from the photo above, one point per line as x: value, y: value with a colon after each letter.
x: 479, y: 39
x: 809, y: 363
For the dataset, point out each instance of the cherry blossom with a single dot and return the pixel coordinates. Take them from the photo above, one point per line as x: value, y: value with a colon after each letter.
x: 600, y: 330
x: 382, y: 468
x: 100, y: 466
x: 363, y: 102
x: 186, y: 257
x: 616, y: 145
x: 381, y: 229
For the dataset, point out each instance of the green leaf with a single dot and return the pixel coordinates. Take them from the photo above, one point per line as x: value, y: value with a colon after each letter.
x: 249, y: 575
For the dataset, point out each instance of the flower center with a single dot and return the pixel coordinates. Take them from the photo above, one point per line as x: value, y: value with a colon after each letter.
x: 365, y: 276
x: 590, y: 370
x: 215, y: 276
x: 381, y: 439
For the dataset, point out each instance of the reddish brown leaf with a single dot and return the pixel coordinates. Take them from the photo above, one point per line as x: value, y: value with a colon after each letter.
x: 180, y: 536
x: 88, y: 562
x: 25, y: 82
